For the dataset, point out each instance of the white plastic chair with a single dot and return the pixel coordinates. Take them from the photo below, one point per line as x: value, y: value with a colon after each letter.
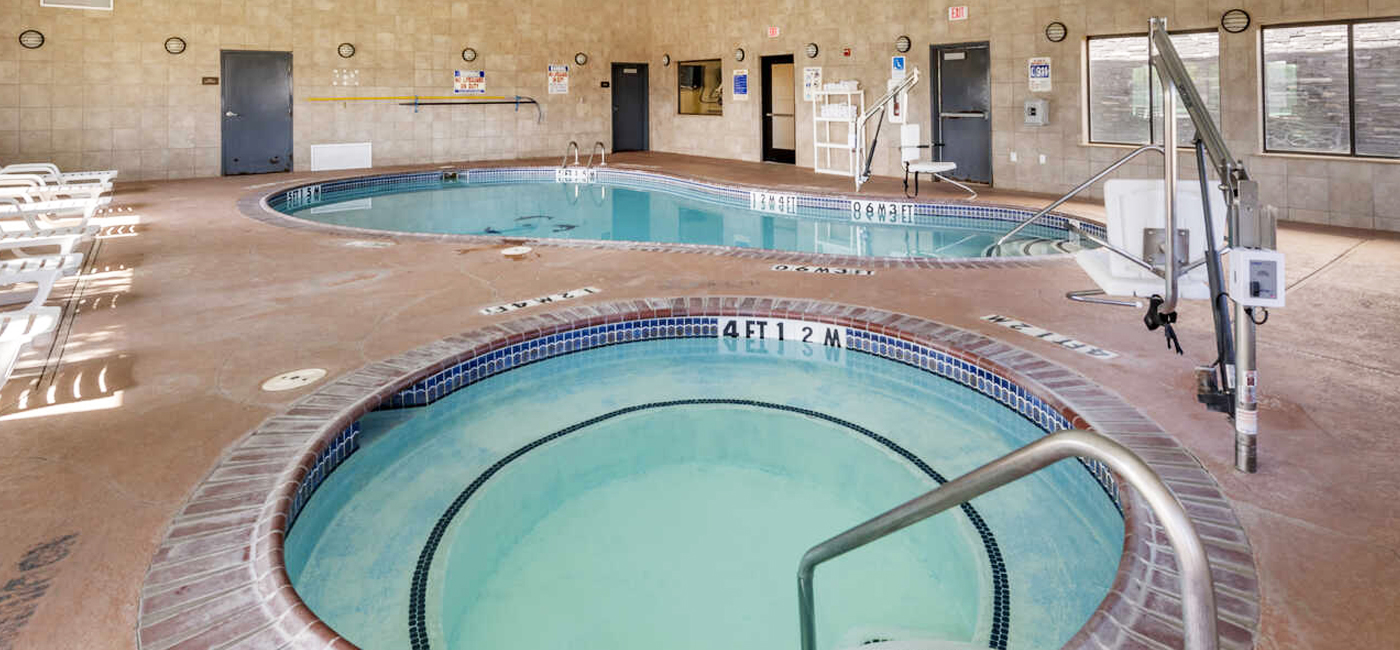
x: 41, y: 271
x: 1134, y: 205
x: 910, y: 142
x: 18, y: 329
x: 41, y: 215
x: 54, y: 176
x: 33, y: 187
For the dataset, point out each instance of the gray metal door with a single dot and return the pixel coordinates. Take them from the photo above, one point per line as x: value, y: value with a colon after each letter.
x: 257, y: 112
x: 629, y: 100
x: 962, y: 109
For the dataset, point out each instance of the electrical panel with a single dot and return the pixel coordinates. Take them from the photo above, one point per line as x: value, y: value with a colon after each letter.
x: 1256, y: 277
x: 1037, y: 112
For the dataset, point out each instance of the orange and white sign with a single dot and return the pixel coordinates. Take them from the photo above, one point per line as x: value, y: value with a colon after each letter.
x: 773, y: 32
x: 957, y: 13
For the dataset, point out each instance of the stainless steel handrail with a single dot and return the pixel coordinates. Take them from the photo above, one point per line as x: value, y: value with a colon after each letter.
x: 573, y: 146
x: 1197, y: 590
x: 598, y: 147
x: 1082, y: 186
x: 1169, y: 164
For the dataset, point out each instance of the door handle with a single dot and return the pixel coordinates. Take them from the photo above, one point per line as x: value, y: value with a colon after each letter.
x: 981, y: 114
x: 230, y: 114
x: 778, y: 114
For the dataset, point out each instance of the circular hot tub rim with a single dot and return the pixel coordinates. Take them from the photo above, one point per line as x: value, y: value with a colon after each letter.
x: 210, y: 537
x: 258, y: 205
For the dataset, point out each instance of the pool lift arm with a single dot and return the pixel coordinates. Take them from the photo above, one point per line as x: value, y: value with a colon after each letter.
x: 865, y: 157
x: 1230, y: 385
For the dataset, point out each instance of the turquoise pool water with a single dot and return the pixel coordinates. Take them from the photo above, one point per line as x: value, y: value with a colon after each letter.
x: 656, y: 521
x: 602, y: 211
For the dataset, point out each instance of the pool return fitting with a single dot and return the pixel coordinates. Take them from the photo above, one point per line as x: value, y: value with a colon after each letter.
x: 1230, y: 384
x: 1197, y: 588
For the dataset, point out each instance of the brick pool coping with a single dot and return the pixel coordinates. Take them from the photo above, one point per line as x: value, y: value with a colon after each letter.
x: 255, y: 206
x: 217, y: 579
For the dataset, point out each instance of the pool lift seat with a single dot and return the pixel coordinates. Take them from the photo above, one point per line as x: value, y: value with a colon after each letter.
x: 910, y: 142
x: 1132, y: 260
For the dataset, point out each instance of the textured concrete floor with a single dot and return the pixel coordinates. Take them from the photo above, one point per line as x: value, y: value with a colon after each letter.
x: 192, y: 310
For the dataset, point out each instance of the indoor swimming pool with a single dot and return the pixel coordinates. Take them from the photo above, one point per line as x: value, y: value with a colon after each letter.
x: 625, y: 206
x: 659, y: 493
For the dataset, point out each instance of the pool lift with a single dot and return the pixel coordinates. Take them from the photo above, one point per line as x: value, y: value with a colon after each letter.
x: 1230, y: 384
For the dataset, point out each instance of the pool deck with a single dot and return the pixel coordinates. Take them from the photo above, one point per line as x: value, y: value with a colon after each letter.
x: 183, y: 315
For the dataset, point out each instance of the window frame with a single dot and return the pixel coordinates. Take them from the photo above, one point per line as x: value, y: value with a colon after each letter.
x: 702, y: 63
x: 1350, y: 23
x: 1151, y: 76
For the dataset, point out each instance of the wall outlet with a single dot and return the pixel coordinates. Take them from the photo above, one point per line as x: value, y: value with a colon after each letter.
x: 1013, y: 156
x: 1042, y: 159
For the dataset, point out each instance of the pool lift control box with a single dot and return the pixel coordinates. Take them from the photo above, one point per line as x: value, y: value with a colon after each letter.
x: 1256, y: 277
x: 1037, y: 112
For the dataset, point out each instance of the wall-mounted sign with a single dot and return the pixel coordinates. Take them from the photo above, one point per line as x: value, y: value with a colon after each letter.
x: 1039, y: 72
x: 1050, y: 337
x: 542, y: 300
x: 897, y: 68
x: 957, y: 13
x: 741, y: 85
x: 558, y: 79
x: 882, y: 212
x: 772, y: 32
x: 209, y: 81
x: 811, y: 83
x: 469, y: 82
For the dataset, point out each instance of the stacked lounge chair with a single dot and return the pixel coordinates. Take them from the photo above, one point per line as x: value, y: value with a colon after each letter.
x: 41, y: 207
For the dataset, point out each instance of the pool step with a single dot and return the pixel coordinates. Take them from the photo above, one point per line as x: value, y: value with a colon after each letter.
x: 1028, y: 246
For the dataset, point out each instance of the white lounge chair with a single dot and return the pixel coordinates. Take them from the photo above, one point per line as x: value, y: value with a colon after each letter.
x: 1134, y: 205
x: 41, y: 271
x: 32, y: 187
x: 910, y: 142
x: 40, y: 215
x: 20, y: 328
x: 52, y: 175
x: 66, y: 239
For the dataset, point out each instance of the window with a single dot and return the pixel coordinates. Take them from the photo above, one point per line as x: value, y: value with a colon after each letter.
x: 1125, y: 97
x: 698, y: 87
x: 1333, y: 88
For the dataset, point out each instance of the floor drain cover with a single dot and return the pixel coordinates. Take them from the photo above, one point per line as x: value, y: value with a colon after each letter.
x: 368, y: 243
x: 294, y: 379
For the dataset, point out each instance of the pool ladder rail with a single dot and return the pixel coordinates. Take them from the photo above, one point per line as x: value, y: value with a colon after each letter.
x: 573, y: 146
x: 1197, y: 589
x: 602, y: 151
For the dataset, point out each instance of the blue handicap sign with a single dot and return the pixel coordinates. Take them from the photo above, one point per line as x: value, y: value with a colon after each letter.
x: 897, y: 63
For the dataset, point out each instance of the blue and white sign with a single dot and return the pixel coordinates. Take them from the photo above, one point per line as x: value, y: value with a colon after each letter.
x: 897, y: 68
x: 1039, y: 69
x: 741, y: 85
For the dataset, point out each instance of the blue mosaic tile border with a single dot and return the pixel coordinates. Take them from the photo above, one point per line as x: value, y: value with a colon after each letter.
x: 962, y: 215
x: 446, y: 381
x: 335, y: 453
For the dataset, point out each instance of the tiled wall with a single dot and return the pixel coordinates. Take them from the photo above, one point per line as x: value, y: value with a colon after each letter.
x: 1334, y: 191
x: 103, y: 93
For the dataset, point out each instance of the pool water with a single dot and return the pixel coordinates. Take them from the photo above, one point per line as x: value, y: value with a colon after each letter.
x: 686, y: 480
x: 600, y: 211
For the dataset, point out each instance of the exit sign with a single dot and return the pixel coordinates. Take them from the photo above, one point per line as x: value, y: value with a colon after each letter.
x: 772, y: 32
x: 957, y: 13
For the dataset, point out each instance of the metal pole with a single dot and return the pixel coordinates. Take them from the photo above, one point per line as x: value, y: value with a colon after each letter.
x: 1197, y: 589
x: 1169, y: 174
x: 1246, y: 232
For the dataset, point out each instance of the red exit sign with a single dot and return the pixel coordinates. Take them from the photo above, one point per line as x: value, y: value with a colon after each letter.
x: 772, y: 32
x: 957, y: 13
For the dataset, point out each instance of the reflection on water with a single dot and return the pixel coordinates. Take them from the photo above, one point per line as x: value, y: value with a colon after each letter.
x: 602, y: 212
